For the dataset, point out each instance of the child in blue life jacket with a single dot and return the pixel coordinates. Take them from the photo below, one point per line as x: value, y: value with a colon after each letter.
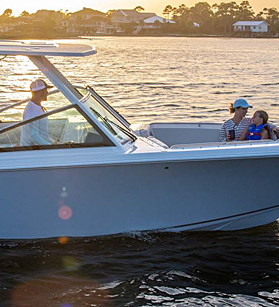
x: 259, y: 129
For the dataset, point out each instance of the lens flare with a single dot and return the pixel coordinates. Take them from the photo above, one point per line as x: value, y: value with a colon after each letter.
x: 70, y: 263
x: 64, y: 193
x: 59, y: 291
x: 65, y: 212
x: 63, y: 240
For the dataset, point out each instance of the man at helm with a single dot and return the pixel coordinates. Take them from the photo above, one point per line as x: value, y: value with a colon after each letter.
x: 36, y: 132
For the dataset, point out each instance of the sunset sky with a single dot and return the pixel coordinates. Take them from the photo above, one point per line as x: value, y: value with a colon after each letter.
x: 156, y: 6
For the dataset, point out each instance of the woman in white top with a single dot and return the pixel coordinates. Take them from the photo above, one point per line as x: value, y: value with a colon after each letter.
x: 232, y: 128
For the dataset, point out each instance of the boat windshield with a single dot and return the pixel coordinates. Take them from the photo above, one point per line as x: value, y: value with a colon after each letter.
x: 14, y: 112
x: 107, y: 119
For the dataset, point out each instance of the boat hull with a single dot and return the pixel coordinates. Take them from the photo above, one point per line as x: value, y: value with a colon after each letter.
x: 110, y: 199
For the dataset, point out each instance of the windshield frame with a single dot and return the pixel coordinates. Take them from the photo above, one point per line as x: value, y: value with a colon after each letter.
x: 105, y: 121
x: 122, y: 125
x: 71, y: 106
x: 102, y: 101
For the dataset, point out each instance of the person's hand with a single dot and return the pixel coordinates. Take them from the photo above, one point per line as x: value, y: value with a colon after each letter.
x: 228, y: 137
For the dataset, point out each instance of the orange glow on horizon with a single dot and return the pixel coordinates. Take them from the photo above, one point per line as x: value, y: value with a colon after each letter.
x: 105, y: 5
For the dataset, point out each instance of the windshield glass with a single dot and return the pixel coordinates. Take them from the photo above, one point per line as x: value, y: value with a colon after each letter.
x: 55, y: 99
x: 107, y: 119
x: 66, y: 128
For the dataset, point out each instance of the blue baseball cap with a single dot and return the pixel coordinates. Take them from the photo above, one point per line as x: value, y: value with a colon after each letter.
x: 241, y: 103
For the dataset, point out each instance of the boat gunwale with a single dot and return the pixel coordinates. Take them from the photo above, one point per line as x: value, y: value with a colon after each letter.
x: 71, y: 157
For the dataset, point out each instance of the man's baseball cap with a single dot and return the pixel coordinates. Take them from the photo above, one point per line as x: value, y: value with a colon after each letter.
x: 38, y: 85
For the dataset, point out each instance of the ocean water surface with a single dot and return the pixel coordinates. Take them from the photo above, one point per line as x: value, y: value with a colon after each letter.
x: 147, y: 80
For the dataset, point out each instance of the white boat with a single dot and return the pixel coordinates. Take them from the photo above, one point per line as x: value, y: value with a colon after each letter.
x: 104, y: 176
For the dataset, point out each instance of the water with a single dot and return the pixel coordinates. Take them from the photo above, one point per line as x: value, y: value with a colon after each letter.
x: 154, y: 79
x: 184, y: 269
x: 167, y: 79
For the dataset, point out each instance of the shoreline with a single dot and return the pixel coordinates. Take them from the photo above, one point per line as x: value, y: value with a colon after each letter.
x: 52, y: 37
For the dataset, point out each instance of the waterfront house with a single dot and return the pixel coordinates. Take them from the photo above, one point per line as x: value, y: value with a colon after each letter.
x: 132, y: 21
x: 251, y: 26
x: 43, y: 21
x: 86, y: 22
x: 155, y: 22
x: 6, y: 27
x: 42, y: 15
x: 129, y: 16
x: 152, y: 25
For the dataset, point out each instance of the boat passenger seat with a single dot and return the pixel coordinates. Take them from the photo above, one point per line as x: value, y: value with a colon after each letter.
x: 273, y: 135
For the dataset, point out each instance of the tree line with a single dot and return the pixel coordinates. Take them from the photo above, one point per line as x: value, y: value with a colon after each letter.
x: 218, y: 18
x: 202, y: 18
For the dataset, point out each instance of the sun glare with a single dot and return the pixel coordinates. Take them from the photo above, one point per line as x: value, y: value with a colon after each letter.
x: 18, y: 72
x: 150, y: 6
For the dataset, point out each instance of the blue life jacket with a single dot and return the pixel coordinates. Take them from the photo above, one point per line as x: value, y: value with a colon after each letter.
x: 254, y: 133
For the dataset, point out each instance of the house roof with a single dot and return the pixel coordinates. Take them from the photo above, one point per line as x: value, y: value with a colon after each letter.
x: 250, y: 23
x: 134, y: 13
x: 88, y: 11
x: 130, y: 13
x: 153, y: 19
x: 45, y: 12
x: 147, y: 15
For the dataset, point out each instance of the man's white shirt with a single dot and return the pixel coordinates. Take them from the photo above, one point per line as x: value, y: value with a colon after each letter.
x: 36, y: 132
